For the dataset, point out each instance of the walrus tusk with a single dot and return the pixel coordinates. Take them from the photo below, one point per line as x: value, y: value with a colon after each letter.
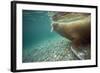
x: 52, y: 29
x: 78, y: 54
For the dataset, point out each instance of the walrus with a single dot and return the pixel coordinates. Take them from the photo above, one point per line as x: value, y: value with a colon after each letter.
x: 73, y: 26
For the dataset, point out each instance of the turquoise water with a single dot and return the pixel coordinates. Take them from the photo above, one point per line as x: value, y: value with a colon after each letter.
x: 36, y: 27
x: 39, y: 43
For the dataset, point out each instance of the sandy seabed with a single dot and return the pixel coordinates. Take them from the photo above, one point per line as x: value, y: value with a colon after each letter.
x: 52, y: 49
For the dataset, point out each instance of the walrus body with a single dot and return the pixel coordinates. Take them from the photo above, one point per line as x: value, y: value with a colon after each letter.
x: 77, y: 28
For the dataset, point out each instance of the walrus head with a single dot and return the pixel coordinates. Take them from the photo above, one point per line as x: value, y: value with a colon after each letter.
x: 73, y: 26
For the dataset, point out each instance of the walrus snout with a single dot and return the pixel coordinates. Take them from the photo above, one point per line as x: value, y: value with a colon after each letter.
x: 54, y: 25
x: 57, y: 27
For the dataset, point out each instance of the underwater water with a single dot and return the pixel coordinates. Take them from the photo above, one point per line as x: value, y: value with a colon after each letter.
x: 39, y: 43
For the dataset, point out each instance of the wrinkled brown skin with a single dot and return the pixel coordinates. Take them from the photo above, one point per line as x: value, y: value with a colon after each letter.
x: 79, y: 31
